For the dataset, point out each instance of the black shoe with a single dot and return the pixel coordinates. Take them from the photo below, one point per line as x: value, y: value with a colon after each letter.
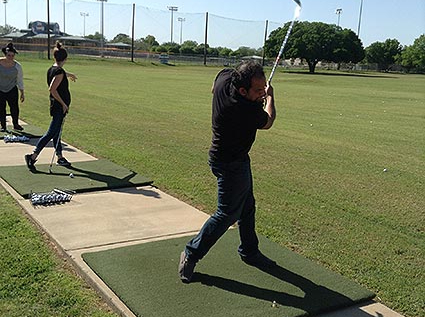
x: 18, y: 127
x: 259, y: 260
x: 63, y: 162
x: 3, y: 129
x: 186, y: 267
x: 30, y: 161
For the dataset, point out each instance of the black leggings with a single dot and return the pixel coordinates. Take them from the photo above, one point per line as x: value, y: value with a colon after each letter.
x: 11, y: 97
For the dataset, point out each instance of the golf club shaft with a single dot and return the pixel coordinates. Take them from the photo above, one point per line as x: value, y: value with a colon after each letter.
x: 282, y: 47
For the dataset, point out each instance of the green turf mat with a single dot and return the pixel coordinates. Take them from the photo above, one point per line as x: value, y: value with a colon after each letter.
x: 29, y: 131
x: 145, y: 277
x: 88, y: 176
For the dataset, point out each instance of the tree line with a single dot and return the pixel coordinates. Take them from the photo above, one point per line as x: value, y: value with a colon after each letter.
x: 312, y: 42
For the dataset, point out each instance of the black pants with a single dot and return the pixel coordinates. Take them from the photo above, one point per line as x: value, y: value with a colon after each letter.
x: 12, y: 98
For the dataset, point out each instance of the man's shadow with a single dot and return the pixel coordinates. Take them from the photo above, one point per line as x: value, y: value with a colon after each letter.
x: 317, y: 298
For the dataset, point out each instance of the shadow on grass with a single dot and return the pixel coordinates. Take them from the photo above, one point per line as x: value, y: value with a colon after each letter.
x: 317, y: 298
x: 343, y: 74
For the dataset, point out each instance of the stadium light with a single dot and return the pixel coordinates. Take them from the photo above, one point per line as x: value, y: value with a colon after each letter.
x: 172, y: 9
x: 181, y: 20
x: 84, y: 15
x: 338, y: 12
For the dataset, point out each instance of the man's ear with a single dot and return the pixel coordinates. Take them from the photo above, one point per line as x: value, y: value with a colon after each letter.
x: 243, y: 91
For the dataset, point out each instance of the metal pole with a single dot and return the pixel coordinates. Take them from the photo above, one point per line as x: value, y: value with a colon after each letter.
x: 63, y: 16
x: 264, y: 43
x: 181, y: 20
x: 5, y: 15
x: 132, y: 34
x: 206, y: 39
x: 84, y: 15
x: 172, y: 9
x: 338, y: 12
x: 27, y: 11
x: 48, y: 29
x: 360, y: 18
x: 101, y: 25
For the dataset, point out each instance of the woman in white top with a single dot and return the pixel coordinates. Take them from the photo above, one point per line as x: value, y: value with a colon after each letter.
x: 11, y: 80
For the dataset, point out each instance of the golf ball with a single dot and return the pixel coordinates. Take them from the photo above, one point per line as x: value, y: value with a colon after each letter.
x: 385, y: 170
x: 71, y: 175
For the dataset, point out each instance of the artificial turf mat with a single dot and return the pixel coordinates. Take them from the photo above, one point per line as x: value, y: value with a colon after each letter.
x: 88, y: 176
x: 145, y: 277
x: 29, y: 131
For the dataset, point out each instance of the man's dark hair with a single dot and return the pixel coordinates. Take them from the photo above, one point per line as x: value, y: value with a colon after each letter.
x: 244, y: 72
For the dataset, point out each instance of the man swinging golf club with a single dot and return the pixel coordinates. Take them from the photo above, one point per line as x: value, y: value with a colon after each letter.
x: 238, y: 111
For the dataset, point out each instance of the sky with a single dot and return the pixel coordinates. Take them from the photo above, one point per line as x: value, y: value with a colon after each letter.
x: 231, y: 23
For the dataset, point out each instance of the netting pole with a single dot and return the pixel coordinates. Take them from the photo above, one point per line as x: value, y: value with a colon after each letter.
x: 265, y: 39
x: 48, y: 29
x: 206, y: 39
x: 132, y: 34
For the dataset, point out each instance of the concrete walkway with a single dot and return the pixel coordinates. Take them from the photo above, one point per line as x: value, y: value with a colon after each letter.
x: 116, y: 218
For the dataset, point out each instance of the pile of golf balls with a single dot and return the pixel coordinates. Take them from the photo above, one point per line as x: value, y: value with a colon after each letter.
x: 14, y: 138
x: 54, y: 197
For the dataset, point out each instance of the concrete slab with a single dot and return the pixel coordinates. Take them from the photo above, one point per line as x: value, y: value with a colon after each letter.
x: 371, y: 309
x: 10, y: 123
x: 12, y: 154
x: 115, y: 217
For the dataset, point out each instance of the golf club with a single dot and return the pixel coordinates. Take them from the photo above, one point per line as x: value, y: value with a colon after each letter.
x: 279, y: 55
x: 56, y: 146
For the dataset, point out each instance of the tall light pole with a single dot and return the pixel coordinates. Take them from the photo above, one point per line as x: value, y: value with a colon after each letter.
x: 101, y: 25
x: 5, y: 23
x: 27, y: 11
x: 63, y: 16
x: 338, y: 12
x: 360, y: 18
x: 172, y: 9
x: 181, y: 20
x: 84, y: 15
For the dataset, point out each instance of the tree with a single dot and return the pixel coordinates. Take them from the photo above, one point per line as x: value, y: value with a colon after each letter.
x: 7, y: 29
x: 413, y: 56
x: 149, y: 43
x: 188, y: 47
x: 350, y: 48
x: 172, y: 47
x: 122, y: 38
x: 224, y: 51
x: 97, y: 36
x: 244, y: 51
x: 384, y: 54
x: 199, y: 50
x: 315, y: 42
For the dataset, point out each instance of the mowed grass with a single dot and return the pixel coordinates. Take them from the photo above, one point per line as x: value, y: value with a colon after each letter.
x: 34, y: 281
x: 319, y: 175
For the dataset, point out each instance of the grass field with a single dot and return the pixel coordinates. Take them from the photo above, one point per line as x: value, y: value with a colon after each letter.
x: 319, y: 173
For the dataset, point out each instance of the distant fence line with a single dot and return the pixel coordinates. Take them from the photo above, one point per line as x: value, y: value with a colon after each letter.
x: 118, y: 19
x: 39, y: 51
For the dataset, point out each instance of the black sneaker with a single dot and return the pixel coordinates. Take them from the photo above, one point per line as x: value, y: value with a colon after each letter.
x: 18, y: 128
x: 186, y: 267
x: 3, y: 129
x: 259, y: 260
x: 30, y: 161
x: 63, y: 162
